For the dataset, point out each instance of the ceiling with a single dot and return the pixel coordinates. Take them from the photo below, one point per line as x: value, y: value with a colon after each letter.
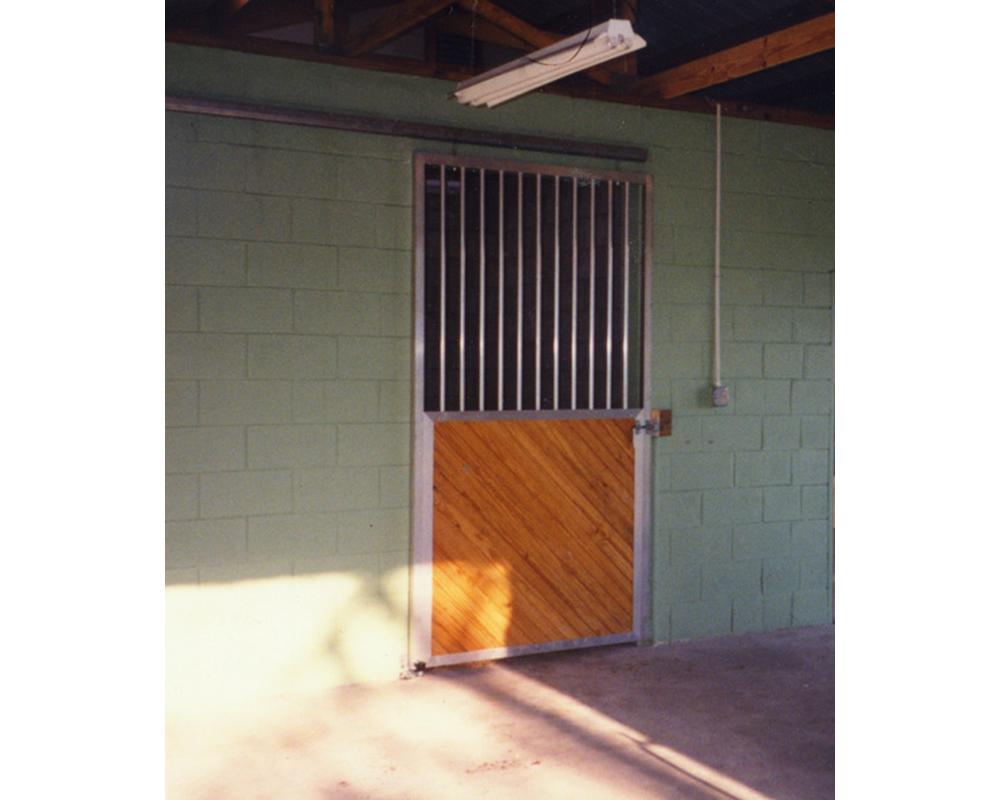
x: 765, y: 59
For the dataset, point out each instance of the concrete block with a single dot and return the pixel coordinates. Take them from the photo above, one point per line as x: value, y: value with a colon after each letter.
x: 370, y: 445
x: 742, y: 287
x: 810, y: 538
x: 181, y: 212
x: 292, y: 536
x: 822, y: 217
x: 815, y: 575
x: 245, y: 403
x: 761, y: 540
x: 181, y: 497
x: 701, y: 470
x: 289, y: 172
x: 816, y: 431
x: 777, y: 611
x: 336, y: 489
x: 393, y: 227
x: 332, y: 313
x: 695, y: 246
x: 685, y: 207
x: 822, y: 254
x: 762, y: 324
x: 702, y: 619
x: 811, y: 466
x: 781, y: 433
x: 812, y: 397
x: 247, y: 217
x: 683, y: 285
x: 205, y: 262
x: 246, y: 310
x: 356, y: 224
x: 237, y: 494
x: 205, y: 165
x: 182, y: 577
x: 295, y: 266
x: 684, y: 359
x: 700, y: 544
x: 769, y: 250
x: 731, y: 433
x: 763, y: 469
x: 796, y: 143
x: 731, y: 506
x: 758, y: 212
x: 335, y: 401
x: 818, y: 290
x: 811, y: 608
x: 291, y: 357
x: 372, y: 530
x: 190, y: 544
x: 782, y: 503
x: 205, y: 355
x: 819, y: 361
x: 686, y: 438
x: 781, y: 576
x: 204, y: 449
x: 181, y: 308
x: 395, y: 401
x: 375, y: 180
x: 312, y: 222
x: 680, y: 509
x: 777, y: 396
x: 814, y: 325
x: 394, y: 487
x: 748, y: 614
x: 181, y: 403
x: 291, y: 446
x: 395, y: 315
x: 782, y: 288
x: 374, y: 358
x: 679, y: 582
x: 816, y: 502
x: 689, y: 323
x: 783, y: 360
x: 730, y: 578
x: 365, y: 269
x: 746, y: 397
x: 180, y: 127
x: 244, y: 571
x: 740, y: 360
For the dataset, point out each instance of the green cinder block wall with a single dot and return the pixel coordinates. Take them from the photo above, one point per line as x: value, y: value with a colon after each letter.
x: 288, y: 352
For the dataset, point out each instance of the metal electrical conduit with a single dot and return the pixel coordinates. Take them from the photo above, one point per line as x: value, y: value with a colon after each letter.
x: 410, y: 130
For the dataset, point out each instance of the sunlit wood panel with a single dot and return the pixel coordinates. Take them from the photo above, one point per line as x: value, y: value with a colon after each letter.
x: 533, y: 531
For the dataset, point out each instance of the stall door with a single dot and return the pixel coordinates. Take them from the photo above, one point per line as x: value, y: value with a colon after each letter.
x: 530, y: 490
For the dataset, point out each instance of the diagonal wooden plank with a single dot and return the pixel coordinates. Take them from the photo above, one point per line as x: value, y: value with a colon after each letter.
x: 243, y: 17
x: 789, y: 44
x: 394, y: 22
x: 527, y: 33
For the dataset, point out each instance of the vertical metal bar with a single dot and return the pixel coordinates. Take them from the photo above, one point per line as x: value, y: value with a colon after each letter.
x: 572, y: 345
x: 611, y: 283
x: 421, y: 580
x: 625, y: 320
x: 443, y: 294
x: 461, y: 292
x: 538, y: 291
x: 500, y: 300
x: 520, y: 285
x: 555, y: 301
x: 593, y: 276
x: 482, y: 289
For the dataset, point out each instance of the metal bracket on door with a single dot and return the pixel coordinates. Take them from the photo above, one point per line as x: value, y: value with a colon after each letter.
x: 659, y: 423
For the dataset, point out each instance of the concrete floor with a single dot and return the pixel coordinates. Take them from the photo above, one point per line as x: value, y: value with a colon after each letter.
x: 744, y: 717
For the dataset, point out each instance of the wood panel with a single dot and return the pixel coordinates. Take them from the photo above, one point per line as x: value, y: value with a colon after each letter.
x: 533, y: 532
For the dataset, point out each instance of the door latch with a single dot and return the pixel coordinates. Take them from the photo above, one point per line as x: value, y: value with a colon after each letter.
x: 658, y: 424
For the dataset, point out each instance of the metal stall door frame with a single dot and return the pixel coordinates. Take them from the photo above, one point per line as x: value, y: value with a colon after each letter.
x: 422, y: 564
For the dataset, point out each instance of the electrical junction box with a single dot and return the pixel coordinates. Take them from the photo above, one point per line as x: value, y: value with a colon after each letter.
x: 720, y: 396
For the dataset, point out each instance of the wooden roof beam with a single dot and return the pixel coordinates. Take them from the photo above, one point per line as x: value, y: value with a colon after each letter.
x: 243, y: 17
x: 527, y: 33
x: 394, y: 22
x: 798, y: 41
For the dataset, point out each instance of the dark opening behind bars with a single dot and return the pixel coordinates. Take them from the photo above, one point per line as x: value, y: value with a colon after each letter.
x: 533, y: 290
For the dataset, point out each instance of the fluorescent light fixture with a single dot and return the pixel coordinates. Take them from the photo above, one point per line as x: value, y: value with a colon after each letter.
x: 595, y: 45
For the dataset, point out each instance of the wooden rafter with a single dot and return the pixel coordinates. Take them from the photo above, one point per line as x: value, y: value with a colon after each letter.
x: 789, y: 44
x: 394, y: 22
x: 233, y: 17
x: 526, y: 32
x: 462, y: 23
x: 323, y: 27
